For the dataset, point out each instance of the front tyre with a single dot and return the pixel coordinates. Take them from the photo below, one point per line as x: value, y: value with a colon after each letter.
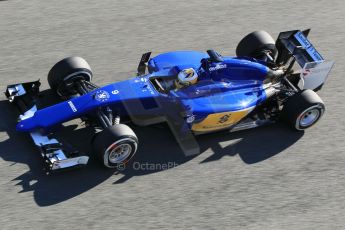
x: 63, y: 74
x: 303, y: 110
x: 115, y: 145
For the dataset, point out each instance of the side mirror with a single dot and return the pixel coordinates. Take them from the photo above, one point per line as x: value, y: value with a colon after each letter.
x: 214, y: 56
x: 142, y: 64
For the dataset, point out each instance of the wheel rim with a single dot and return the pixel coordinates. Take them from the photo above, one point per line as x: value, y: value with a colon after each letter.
x: 309, y: 117
x: 119, y: 153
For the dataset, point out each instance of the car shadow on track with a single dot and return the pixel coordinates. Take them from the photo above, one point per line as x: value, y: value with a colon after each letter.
x: 157, y: 147
x: 252, y: 146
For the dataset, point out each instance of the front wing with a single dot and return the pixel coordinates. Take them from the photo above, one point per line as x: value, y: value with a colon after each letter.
x: 57, y: 155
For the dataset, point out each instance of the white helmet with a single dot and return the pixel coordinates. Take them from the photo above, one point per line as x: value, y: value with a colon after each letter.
x: 186, y: 77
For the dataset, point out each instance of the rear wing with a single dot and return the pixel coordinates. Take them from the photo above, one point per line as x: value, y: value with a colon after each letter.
x: 294, y: 46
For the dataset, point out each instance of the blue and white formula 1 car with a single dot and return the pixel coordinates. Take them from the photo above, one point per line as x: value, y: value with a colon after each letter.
x: 195, y: 92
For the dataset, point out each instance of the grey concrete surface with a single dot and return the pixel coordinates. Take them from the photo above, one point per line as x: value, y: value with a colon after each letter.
x: 268, y: 178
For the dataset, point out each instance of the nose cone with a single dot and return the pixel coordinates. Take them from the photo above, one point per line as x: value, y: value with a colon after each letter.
x: 26, y: 125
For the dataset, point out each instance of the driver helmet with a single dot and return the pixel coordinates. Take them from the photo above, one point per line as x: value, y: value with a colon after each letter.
x: 186, y: 77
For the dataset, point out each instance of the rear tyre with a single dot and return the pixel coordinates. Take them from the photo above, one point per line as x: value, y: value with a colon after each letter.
x: 303, y: 110
x: 65, y: 72
x: 115, y: 146
x: 256, y: 44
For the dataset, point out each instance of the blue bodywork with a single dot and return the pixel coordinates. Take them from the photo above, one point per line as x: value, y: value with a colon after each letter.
x: 231, y: 85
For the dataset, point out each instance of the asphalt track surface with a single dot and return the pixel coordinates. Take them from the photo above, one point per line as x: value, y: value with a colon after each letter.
x: 268, y: 178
